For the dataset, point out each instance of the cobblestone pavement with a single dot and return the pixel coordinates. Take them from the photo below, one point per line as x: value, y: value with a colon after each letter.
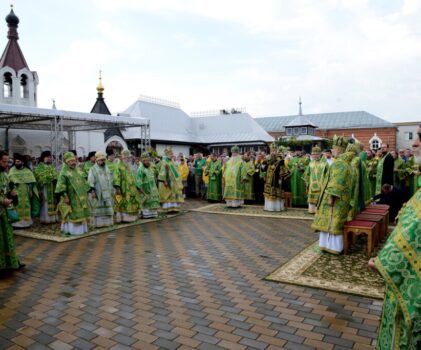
x: 193, y: 281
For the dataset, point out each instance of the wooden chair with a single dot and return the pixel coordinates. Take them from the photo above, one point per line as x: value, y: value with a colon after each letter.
x: 288, y: 199
x: 379, y: 211
x: 359, y: 227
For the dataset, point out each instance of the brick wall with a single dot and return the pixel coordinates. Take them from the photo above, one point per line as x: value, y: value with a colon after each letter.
x: 387, y: 135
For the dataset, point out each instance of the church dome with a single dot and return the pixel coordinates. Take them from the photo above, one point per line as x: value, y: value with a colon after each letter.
x: 11, y: 19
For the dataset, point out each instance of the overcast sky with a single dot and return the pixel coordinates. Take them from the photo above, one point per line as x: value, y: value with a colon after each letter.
x: 338, y: 55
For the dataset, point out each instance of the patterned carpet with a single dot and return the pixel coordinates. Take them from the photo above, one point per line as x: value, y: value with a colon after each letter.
x: 340, y: 273
x: 52, y: 232
x: 255, y: 210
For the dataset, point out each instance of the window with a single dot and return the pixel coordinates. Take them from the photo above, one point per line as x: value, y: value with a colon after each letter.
x: 304, y: 131
x: 24, y: 93
x: 289, y: 131
x: 408, y: 135
x: 7, y: 85
x: 310, y: 131
x: 295, y: 131
x: 375, y: 144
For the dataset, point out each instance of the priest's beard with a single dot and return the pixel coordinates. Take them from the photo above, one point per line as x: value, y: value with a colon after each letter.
x: 20, y: 166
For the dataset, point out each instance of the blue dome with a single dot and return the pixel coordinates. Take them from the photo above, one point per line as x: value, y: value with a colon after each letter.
x: 11, y: 19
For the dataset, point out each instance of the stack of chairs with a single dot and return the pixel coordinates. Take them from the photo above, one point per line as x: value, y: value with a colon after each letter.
x: 373, y: 222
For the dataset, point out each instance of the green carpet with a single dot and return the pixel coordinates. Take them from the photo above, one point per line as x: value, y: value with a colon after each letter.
x: 255, y: 210
x: 340, y: 273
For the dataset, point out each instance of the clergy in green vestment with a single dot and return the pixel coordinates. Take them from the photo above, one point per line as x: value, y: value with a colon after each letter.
x: 399, y: 263
x: 365, y: 179
x: 100, y: 181
x: 214, y: 171
x: 372, y: 162
x: 25, y: 184
x: 127, y: 196
x: 334, y: 201
x: 357, y: 203
x: 384, y: 173
x: 399, y: 170
x: 233, y: 179
x: 111, y: 162
x: 8, y: 258
x: 145, y: 182
x: 170, y: 183
x: 46, y: 176
x: 297, y: 166
x: 248, y: 178
x: 72, y: 189
x: 90, y: 162
x: 313, y: 177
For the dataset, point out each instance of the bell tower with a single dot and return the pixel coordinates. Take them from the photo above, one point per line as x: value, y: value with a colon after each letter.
x: 19, y: 83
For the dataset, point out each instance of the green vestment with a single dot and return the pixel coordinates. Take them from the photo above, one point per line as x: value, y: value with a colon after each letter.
x: 372, y: 174
x: 338, y: 184
x: 25, y: 182
x: 399, y: 262
x: 313, y: 177
x: 414, y: 180
x: 168, y: 173
x: 46, y: 176
x: 123, y: 178
x: 101, y: 180
x: 357, y: 188
x: 145, y: 181
x: 8, y: 257
x: 248, y: 180
x: 233, y: 174
x: 86, y: 167
x: 399, y: 173
x: 297, y: 166
x: 214, y: 171
x: 72, y: 184
x: 111, y: 165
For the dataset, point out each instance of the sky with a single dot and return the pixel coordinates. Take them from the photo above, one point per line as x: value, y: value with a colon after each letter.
x: 337, y: 55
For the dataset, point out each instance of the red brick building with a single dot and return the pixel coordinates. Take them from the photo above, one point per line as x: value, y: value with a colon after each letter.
x: 367, y: 128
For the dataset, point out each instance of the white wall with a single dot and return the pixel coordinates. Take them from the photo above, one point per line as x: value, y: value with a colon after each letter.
x: 402, y: 140
x: 176, y: 149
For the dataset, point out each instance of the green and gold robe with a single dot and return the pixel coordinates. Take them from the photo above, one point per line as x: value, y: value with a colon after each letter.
x: 124, y: 180
x: 399, y: 262
x: 25, y: 185
x: 372, y: 174
x: 72, y: 184
x: 100, y: 180
x: 313, y: 178
x: 46, y: 176
x: 214, y: 171
x: 297, y: 166
x: 8, y: 257
x: 234, y: 172
x: 170, y: 184
x: 145, y: 181
x: 86, y: 167
x: 248, y: 180
x: 338, y: 184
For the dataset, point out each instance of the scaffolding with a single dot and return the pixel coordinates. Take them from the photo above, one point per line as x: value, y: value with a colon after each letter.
x: 59, y: 122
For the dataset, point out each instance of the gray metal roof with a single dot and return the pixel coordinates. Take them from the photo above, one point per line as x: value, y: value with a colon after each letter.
x: 169, y: 123
x: 34, y: 118
x: 300, y: 121
x: 337, y: 120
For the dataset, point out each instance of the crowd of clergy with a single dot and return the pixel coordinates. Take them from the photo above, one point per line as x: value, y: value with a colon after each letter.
x: 335, y: 184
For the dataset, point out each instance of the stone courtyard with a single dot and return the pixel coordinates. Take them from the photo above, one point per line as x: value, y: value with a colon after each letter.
x: 194, y: 281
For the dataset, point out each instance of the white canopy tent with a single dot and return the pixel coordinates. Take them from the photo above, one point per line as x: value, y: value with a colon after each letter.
x: 60, y: 121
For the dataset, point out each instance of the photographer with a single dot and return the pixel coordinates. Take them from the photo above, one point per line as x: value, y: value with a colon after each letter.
x: 8, y: 257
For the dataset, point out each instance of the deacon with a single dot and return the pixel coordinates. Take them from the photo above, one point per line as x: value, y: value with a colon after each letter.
x: 170, y: 184
x: 100, y: 181
x: 145, y: 182
x: 46, y: 176
x: 72, y: 189
x: 127, y: 204
x: 399, y: 264
x: 297, y: 166
x: 8, y: 258
x: 248, y: 178
x: 25, y: 184
x: 89, y: 163
x: 334, y: 201
x: 385, y: 166
x: 313, y: 177
x: 214, y: 171
x: 233, y: 179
